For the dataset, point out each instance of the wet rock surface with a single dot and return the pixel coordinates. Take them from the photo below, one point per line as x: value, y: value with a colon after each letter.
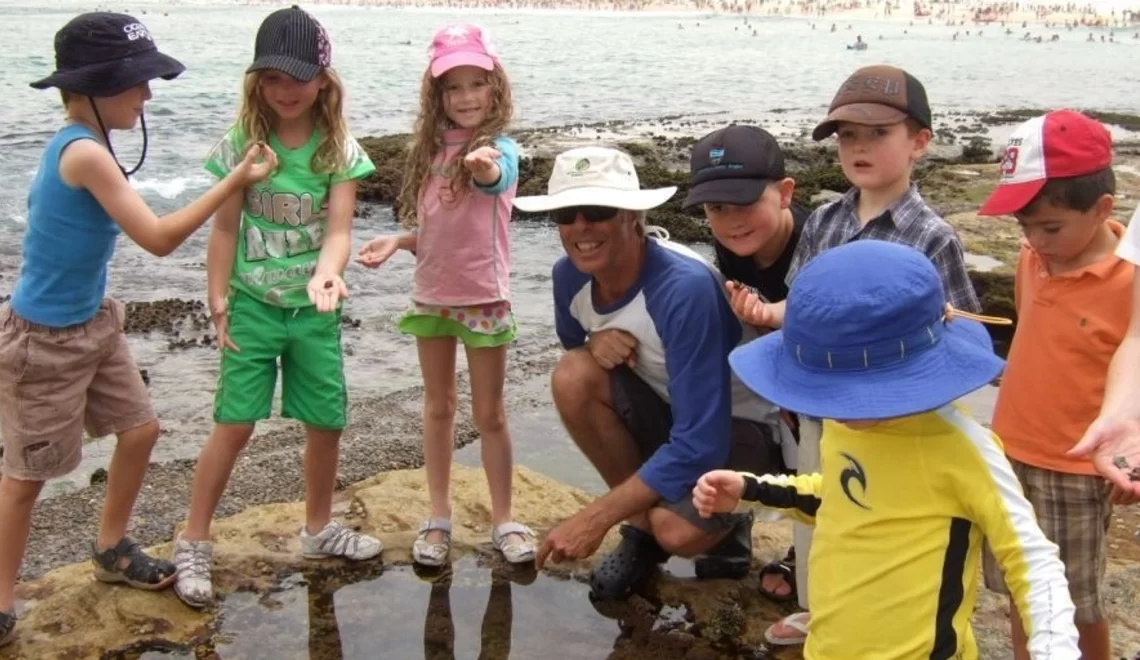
x: 270, y: 598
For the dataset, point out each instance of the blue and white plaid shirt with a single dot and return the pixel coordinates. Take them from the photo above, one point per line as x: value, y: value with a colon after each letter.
x: 908, y: 221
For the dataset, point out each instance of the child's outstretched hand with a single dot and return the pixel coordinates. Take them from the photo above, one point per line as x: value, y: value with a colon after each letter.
x: 481, y: 160
x: 718, y: 491
x: 378, y: 250
x: 326, y: 290
x: 748, y: 307
x: 259, y: 162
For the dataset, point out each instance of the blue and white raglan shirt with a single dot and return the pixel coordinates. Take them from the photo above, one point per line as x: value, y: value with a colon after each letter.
x: 678, y: 311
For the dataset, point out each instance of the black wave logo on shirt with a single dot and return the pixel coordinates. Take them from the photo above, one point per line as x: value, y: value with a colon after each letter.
x: 853, y: 472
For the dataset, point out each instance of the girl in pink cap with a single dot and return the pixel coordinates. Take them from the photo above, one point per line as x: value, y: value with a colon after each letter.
x: 456, y: 200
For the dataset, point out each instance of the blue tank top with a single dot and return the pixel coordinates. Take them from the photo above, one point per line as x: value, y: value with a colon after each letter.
x: 67, y: 246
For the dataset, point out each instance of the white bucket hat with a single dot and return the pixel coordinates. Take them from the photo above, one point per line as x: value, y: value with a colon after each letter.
x: 594, y: 176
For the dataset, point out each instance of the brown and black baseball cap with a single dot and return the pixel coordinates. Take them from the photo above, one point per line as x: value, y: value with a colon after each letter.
x: 733, y: 165
x: 877, y: 95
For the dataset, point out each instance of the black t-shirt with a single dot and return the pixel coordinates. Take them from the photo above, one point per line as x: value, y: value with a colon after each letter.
x: 769, y: 281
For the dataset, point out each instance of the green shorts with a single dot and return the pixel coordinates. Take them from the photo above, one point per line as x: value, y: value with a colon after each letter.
x: 313, y: 388
x: 481, y: 326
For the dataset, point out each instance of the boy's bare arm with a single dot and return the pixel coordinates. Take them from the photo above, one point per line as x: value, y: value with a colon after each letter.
x: 87, y: 164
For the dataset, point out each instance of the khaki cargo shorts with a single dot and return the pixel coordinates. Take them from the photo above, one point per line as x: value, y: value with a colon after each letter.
x: 56, y: 382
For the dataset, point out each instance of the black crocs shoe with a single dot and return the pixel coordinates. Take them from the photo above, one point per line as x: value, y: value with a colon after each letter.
x: 7, y: 627
x: 732, y: 557
x: 628, y: 566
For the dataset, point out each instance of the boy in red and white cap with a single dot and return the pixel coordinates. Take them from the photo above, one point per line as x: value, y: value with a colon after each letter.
x: 1074, y: 298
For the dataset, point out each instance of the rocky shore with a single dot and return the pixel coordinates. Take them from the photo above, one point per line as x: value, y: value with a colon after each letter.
x: 381, y: 490
x: 955, y: 177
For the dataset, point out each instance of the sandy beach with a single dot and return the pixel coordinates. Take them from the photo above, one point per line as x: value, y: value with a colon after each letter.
x: 1111, y: 14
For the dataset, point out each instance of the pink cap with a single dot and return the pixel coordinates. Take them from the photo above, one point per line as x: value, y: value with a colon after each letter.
x: 460, y: 45
x: 1056, y: 145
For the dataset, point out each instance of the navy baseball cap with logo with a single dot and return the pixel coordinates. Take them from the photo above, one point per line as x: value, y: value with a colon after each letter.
x: 733, y: 165
x: 105, y: 54
x: 290, y: 40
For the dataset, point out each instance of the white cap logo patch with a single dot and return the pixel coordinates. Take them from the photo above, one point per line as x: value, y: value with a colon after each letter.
x: 1024, y: 157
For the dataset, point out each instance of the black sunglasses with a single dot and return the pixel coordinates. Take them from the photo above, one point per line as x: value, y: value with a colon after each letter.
x: 567, y: 216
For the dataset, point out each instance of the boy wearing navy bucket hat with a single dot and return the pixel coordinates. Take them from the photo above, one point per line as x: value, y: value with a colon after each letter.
x: 910, y: 482
x: 65, y: 367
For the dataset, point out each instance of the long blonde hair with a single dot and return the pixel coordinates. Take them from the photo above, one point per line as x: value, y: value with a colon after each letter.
x: 427, y: 140
x: 255, y: 120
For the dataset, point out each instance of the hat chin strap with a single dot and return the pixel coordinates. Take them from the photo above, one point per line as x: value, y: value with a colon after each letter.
x: 107, y: 139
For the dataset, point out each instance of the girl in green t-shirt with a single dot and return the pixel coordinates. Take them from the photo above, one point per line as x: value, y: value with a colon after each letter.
x: 274, y: 267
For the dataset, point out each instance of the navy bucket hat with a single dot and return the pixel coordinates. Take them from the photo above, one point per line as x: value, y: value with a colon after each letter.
x: 105, y: 54
x: 867, y: 335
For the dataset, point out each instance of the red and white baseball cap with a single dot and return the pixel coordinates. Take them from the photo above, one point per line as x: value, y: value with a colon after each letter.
x: 1056, y: 145
x: 461, y: 45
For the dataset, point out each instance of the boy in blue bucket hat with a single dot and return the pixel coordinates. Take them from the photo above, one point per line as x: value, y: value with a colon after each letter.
x: 910, y: 482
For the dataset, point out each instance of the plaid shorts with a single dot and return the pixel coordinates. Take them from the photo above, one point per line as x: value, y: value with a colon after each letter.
x: 1074, y: 512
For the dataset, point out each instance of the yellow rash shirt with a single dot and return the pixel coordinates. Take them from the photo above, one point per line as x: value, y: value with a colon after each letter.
x: 900, y: 511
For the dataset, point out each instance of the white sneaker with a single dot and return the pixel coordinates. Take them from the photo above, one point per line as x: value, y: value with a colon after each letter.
x: 336, y: 540
x: 192, y: 558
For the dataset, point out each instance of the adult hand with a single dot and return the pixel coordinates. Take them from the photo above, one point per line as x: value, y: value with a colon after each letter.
x: 575, y: 538
x: 748, y: 306
x: 1122, y: 497
x: 1114, y: 446
x: 718, y: 491
x: 611, y: 348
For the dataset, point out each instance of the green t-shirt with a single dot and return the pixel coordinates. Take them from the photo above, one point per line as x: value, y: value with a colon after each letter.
x: 284, y: 218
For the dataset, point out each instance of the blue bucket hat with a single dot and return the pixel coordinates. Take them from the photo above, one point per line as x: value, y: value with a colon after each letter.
x: 867, y: 336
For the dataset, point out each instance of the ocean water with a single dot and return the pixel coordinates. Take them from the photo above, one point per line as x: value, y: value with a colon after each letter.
x: 565, y: 67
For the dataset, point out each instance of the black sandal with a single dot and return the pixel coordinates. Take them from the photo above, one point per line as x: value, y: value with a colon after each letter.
x: 785, y: 568
x: 7, y: 627
x: 628, y: 566
x: 141, y: 572
x: 732, y: 557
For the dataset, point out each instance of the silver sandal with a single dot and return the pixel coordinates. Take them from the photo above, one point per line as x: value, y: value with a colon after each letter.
x: 515, y: 553
x: 431, y: 554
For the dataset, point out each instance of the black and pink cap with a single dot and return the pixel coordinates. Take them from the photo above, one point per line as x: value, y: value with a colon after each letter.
x: 293, y: 42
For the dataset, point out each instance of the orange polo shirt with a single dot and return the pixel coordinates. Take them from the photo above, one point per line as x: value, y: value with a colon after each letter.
x: 1068, y: 327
